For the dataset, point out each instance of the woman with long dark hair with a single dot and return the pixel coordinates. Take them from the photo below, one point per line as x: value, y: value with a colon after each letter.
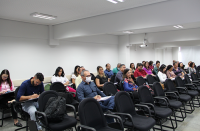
x: 75, y: 74
x: 6, y: 85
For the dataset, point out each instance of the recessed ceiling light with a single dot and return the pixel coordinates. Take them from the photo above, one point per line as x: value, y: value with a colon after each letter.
x: 178, y: 26
x: 128, y: 32
x: 120, y: 0
x: 115, y: 1
x: 43, y: 16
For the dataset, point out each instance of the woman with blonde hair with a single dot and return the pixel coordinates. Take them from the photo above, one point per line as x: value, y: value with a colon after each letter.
x: 101, y: 78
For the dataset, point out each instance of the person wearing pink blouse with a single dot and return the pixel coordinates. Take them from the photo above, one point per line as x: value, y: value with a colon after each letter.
x: 147, y: 69
x: 6, y: 85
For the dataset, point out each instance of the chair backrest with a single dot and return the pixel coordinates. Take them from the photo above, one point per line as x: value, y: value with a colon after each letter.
x: 187, y: 79
x: 92, y: 77
x: 169, y: 85
x: 158, y: 90
x: 121, y: 85
x: 150, y: 79
x: 58, y: 87
x: 124, y: 103
x: 157, y: 78
x: 145, y: 95
x: 109, y: 89
x: 112, y: 78
x: 179, y: 82
x: 194, y: 76
x: 44, y: 97
x: 140, y: 81
x: 91, y: 114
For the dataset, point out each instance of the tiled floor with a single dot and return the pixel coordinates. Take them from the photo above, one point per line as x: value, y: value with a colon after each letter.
x: 191, y: 123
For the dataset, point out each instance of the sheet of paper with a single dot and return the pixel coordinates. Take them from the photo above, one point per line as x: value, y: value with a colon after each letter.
x: 104, y: 98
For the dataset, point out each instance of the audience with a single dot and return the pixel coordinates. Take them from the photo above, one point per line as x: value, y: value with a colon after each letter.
x: 139, y: 71
x: 78, y: 79
x: 31, y: 89
x: 151, y: 65
x: 143, y: 62
x: 6, y: 85
x: 181, y: 66
x: 162, y: 73
x: 170, y: 73
x: 147, y: 69
x: 132, y: 67
x: 59, y: 76
x: 119, y: 76
x: 177, y: 71
x: 88, y: 89
x: 192, y: 69
x: 115, y: 70
x: 108, y: 72
x: 155, y: 70
x: 129, y: 84
x: 75, y: 75
x: 100, y: 78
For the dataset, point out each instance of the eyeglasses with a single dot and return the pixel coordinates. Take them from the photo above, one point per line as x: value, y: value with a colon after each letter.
x: 5, y: 77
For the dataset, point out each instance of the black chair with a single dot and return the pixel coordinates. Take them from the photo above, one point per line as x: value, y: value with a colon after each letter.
x: 131, y: 120
x: 112, y: 78
x: 109, y: 89
x: 159, y: 112
x: 195, y: 78
x: 18, y: 108
x: 174, y: 104
x: 92, y: 117
x: 140, y: 81
x: 66, y: 123
x: 59, y: 87
x: 157, y: 78
x: 173, y: 92
x: 92, y: 77
x: 191, y: 90
x: 151, y: 80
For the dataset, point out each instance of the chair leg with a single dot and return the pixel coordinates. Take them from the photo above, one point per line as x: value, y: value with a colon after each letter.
x: 2, y: 117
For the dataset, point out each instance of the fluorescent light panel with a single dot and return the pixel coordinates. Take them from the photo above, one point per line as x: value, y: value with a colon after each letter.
x: 115, y: 1
x: 43, y: 16
x: 178, y: 26
x: 128, y: 32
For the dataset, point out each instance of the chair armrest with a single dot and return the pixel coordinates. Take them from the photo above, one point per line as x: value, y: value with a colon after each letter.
x: 189, y: 84
x: 74, y: 109
x: 144, y: 106
x: 162, y: 98
x: 40, y: 115
x: 195, y: 81
x: 117, y: 117
x: 124, y: 114
x: 176, y: 94
x: 149, y: 105
x: 85, y: 127
x: 184, y: 88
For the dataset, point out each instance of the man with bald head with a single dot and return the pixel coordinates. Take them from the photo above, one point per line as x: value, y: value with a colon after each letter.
x: 88, y: 89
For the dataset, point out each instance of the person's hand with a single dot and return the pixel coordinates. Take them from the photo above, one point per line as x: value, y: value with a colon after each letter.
x: 152, y: 74
x: 3, y: 92
x: 97, y: 97
x: 34, y: 96
x: 134, y: 89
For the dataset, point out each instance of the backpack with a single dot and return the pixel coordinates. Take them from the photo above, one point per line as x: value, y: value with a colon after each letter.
x: 67, y: 95
x: 55, y: 109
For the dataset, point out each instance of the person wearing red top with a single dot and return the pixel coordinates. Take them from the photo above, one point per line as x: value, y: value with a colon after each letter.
x: 140, y: 72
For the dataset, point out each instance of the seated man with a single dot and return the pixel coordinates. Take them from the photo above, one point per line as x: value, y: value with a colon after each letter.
x: 119, y: 76
x: 88, y: 89
x: 156, y: 68
x: 31, y: 89
x: 140, y: 72
x: 115, y: 70
x: 108, y: 72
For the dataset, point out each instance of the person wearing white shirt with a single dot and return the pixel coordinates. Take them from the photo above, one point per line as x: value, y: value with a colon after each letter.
x: 75, y: 75
x: 161, y: 73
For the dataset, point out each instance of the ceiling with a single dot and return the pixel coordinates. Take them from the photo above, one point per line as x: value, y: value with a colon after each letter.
x: 65, y: 10
x: 159, y: 29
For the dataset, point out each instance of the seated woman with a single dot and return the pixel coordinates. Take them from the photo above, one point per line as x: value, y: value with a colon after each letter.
x: 162, y: 73
x: 6, y: 85
x: 181, y: 66
x: 177, y: 71
x: 75, y: 75
x: 151, y: 65
x: 192, y: 69
x: 148, y: 69
x: 101, y: 79
x: 129, y: 84
x: 59, y: 76
x: 132, y: 67
x: 170, y: 73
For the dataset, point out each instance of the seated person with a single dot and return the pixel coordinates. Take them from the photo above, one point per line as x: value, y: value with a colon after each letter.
x: 132, y: 67
x: 115, y: 70
x: 100, y: 78
x: 162, y: 73
x: 59, y: 76
x: 31, y: 89
x: 156, y: 68
x: 139, y: 71
x: 182, y: 66
x: 147, y: 68
x: 6, y: 85
x: 192, y: 69
x: 170, y: 73
x: 78, y: 79
x: 108, y: 72
x: 177, y: 71
x: 129, y: 84
x: 88, y: 89
x: 151, y: 65
x: 75, y: 74
x: 119, y: 76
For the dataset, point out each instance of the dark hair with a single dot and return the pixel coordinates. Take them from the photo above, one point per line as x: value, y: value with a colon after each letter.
x: 124, y: 73
x: 98, y: 67
x: 162, y: 67
x: 179, y: 65
x: 143, y: 61
x: 145, y: 65
x: 107, y: 64
x: 150, y: 62
x: 57, y: 70
x: 133, y: 67
x: 121, y: 65
x: 39, y: 76
x: 5, y: 71
x: 175, y: 63
x: 169, y: 66
x: 191, y: 64
x: 76, y: 73
x: 157, y: 62
x: 139, y: 64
